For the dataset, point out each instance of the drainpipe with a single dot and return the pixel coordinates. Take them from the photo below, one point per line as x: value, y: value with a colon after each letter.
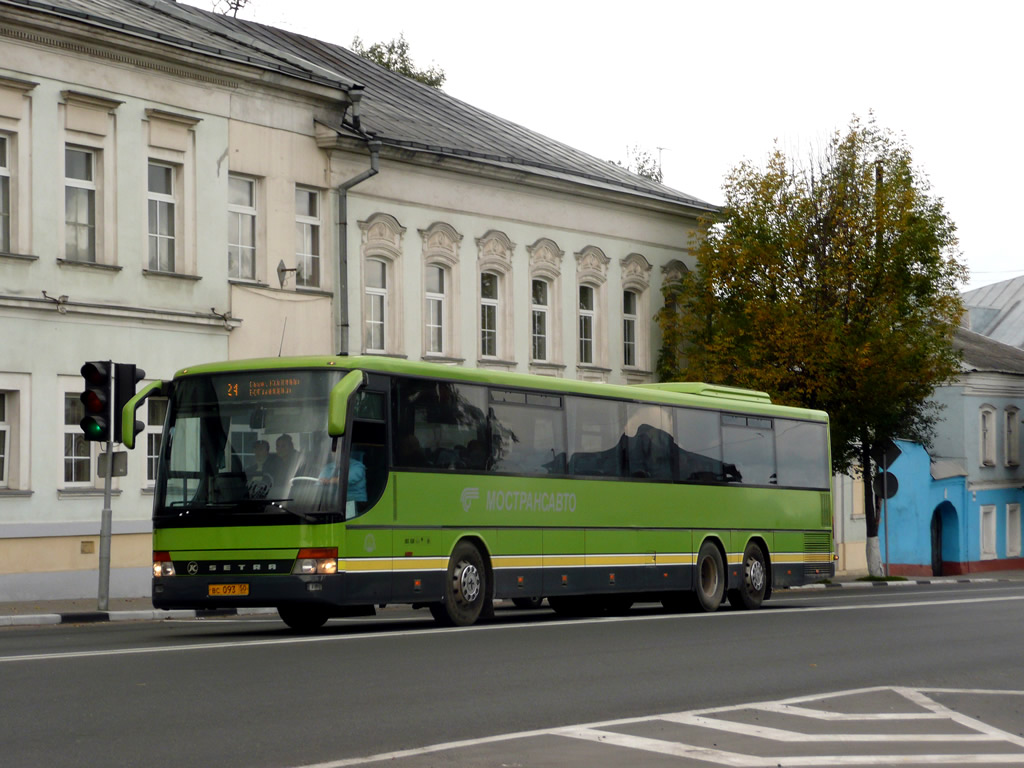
x: 341, y: 316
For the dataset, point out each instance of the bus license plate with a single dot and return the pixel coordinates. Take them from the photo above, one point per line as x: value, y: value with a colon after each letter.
x: 228, y: 590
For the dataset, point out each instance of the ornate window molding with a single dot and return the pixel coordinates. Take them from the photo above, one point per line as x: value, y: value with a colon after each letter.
x: 494, y: 258
x: 636, y: 313
x: 441, y: 244
x: 545, y: 319
x: 382, y: 237
x: 592, y: 313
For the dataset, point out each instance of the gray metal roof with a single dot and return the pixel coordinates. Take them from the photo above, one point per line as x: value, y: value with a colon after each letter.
x: 171, y: 24
x: 997, y: 311
x: 398, y: 111
x: 984, y: 355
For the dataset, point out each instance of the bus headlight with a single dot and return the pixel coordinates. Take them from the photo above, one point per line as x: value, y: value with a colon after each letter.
x: 162, y: 565
x: 320, y: 560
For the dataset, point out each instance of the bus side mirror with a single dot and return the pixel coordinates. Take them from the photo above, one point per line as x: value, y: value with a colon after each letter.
x: 338, y: 404
x: 129, y: 426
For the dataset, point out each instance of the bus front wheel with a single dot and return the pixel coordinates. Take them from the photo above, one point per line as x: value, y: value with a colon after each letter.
x: 466, y: 590
x: 751, y: 593
x: 710, y: 577
x: 303, y: 618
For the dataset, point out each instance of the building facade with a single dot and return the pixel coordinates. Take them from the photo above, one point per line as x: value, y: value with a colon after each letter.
x: 178, y: 187
x: 958, y: 506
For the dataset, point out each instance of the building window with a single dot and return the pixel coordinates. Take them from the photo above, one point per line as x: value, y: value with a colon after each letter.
x: 435, y: 295
x: 988, y: 532
x: 5, y: 441
x: 79, y: 205
x: 5, y: 194
x: 587, y: 318
x: 161, y: 217
x: 376, y: 304
x: 629, y: 328
x: 1011, y: 433
x: 307, y: 238
x: 1013, y: 540
x: 441, y: 244
x: 540, y: 320
x: 383, y: 310
x: 157, y: 410
x: 77, y: 451
x: 489, y: 304
x: 988, y: 436
x: 241, y: 228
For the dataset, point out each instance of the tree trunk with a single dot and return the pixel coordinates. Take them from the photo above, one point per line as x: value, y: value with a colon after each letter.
x: 874, y: 556
x: 872, y: 544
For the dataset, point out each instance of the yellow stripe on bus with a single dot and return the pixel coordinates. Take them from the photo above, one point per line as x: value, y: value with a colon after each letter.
x: 508, y: 562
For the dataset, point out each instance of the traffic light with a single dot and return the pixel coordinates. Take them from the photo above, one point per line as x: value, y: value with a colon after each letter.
x: 126, y: 377
x: 96, y: 399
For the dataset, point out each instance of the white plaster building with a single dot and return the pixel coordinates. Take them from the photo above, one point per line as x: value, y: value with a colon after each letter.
x: 178, y: 187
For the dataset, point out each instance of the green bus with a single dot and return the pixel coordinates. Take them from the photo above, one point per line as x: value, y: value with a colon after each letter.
x: 326, y: 486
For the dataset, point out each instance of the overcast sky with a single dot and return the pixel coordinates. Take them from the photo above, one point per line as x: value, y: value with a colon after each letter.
x: 713, y: 83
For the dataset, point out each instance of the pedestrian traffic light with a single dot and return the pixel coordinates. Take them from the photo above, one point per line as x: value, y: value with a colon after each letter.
x: 126, y: 378
x: 96, y: 399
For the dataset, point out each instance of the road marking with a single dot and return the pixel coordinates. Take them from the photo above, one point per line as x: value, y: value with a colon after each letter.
x: 599, y: 733
x: 405, y: 633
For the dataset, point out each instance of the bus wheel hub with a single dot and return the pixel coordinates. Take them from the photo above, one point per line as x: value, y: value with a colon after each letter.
x: 468, y: 583
x: 755, y: 573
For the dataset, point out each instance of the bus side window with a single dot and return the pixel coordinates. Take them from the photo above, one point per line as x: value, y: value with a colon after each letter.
x: 698, y: 440
x: 597, y: 433
x: 436, y: 421
x: 649, y: 443
x: 527, y: 433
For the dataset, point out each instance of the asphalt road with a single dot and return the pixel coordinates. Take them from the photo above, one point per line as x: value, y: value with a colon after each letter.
x: 248, y: 692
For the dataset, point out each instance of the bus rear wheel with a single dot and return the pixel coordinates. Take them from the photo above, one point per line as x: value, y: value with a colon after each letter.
x: 710, y: 577
x: 751, y: 593
x: 303, y: 618
x: 466, y: 589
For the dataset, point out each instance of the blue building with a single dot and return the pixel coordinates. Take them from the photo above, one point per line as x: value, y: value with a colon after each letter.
x: 958, y: 506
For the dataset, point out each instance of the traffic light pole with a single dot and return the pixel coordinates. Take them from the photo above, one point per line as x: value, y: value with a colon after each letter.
x: 103, y: 600
x: 108, y: 388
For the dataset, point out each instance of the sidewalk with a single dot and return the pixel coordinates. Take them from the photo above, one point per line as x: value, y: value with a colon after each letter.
x: 85, y: 610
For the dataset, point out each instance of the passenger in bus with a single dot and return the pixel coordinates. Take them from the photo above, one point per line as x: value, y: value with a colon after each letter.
x: 263, y: 464
x: 356, y: 490
x: 474, y: 455
x: 329, y: 478
x: 288, y: 460
x: 410, y: 452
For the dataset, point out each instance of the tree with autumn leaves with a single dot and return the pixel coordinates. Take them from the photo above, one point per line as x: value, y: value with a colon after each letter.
x: 829, y: 286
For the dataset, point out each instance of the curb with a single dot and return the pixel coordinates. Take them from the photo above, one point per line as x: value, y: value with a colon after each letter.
x: 904, y: 583
x: 95, y: 617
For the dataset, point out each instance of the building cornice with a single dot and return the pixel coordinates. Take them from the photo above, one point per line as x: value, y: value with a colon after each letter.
x: 64, y: 306
x: 519, y: 174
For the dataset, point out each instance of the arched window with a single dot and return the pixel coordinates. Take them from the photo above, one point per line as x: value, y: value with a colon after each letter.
x: 437, y: 309
x: 987, y: 441
x: 1011, y: 435
x: 382, y: 284
x: 495, y: 265
x: 540, y: 325
x: 591, y: 279
x: 375, y: 323
x: 440, y: 287
x: 545, y: 307
x: 636, y: 313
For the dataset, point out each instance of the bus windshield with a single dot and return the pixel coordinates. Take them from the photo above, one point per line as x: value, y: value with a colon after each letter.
x: 250, y: 448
